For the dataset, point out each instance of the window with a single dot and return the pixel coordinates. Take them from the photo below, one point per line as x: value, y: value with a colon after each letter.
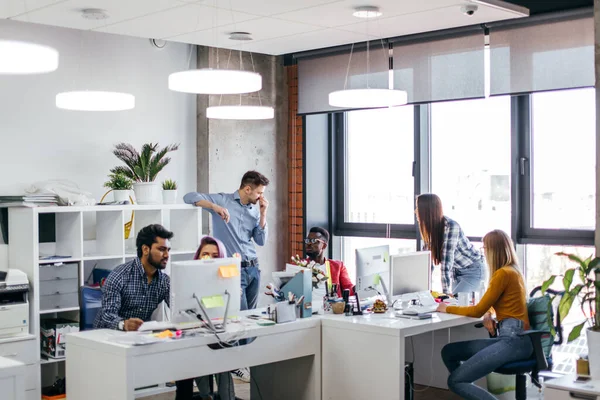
x: 563, y: 159
x: 350, y: 244
x: 379, y: 159
x: 470, y: 162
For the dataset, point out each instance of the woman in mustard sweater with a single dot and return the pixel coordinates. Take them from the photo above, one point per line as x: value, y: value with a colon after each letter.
x: 474, y: 359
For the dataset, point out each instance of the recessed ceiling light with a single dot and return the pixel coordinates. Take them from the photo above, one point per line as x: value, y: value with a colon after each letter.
x: 367, y: 12
x: 94, y: 14
x: 240, y: 36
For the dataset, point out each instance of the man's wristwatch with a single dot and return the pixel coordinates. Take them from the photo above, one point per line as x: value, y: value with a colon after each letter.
x: 121, y: 325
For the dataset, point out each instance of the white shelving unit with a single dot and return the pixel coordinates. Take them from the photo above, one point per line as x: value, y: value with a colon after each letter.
x: 85, y: 238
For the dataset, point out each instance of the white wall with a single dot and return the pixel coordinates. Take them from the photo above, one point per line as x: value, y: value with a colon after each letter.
x: 39, y: 141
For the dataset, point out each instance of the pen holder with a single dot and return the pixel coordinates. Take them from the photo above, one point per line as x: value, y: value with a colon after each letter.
x: 338, y: 307
x: 285, y: 312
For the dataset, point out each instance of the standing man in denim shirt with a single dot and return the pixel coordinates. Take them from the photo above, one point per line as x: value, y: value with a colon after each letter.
x: 238, y: 218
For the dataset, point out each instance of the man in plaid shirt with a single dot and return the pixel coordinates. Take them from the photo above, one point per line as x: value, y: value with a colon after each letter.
x: 133, y: 290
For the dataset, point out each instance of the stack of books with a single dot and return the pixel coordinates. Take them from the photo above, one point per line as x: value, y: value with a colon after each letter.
x: 30, y: 200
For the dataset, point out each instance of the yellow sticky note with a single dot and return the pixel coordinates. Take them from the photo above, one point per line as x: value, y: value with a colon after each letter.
x: 376, y: 279
x: 213, y: 301
x: 228, y: 271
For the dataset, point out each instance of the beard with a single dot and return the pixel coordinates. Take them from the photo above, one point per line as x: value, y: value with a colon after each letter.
x: 313, y: 255
x: 156, y: 263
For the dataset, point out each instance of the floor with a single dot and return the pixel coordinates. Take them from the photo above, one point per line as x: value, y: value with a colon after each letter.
x: 242, y: 390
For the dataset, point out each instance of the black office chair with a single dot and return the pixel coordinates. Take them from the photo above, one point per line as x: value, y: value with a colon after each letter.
x: 541, y: 313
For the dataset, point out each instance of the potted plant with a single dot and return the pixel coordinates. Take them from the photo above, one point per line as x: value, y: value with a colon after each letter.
x: 143, y: 167
x: 581, y: 283
x: 120, y: 186
x: 169, y: 191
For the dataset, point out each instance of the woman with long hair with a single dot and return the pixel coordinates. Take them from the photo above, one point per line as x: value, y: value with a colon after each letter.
x: 462, y: 265
x: 209, y: 248
x: 506, y: 296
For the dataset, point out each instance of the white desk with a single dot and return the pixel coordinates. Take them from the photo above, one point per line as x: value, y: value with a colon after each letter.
x: 364, y: 356
x: 566, y: 388
x: 12, y: 379
x: 286, y: 361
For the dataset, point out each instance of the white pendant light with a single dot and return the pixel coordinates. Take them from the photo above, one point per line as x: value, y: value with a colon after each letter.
x: 88, y: 100
x: 367, y: 98
x: 240, y: 112
x: 215, y: 81
x: 21, y: 58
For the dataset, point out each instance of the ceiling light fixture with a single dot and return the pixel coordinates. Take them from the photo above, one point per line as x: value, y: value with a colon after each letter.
x: 215, y: 81
x: 88, y: 100
x: 22, y: 58
x: 96, y: 14
x: 240, y: 112
x: 366, y: 97
x: 367, y: 12
x: 242, y: 36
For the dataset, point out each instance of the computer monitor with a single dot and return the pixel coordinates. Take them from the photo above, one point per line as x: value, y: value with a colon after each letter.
x: 411, y: 273
x: 373, y: 271
x: 209, y: 288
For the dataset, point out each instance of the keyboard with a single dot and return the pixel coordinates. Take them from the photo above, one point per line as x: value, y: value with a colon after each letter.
x: 418, y: 310
x: 156, y: 326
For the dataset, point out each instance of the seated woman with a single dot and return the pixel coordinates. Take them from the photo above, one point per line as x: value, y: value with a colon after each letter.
x: 474, y: 359
x: 209, y: 248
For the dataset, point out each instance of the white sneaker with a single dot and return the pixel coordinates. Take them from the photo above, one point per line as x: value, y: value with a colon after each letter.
x: 242, y: 374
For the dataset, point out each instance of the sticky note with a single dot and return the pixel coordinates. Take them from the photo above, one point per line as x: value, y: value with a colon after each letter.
x: 228, y: 271
x: 213, y: 301
x: 376, y: 279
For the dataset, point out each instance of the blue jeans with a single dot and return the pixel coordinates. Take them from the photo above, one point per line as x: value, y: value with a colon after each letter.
x: 250, y: 281
x: 467, y: 280
x: 474, y: 359
x: 224, y: 382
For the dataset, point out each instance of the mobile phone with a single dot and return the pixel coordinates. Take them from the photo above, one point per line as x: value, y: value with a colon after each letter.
x: 582, y: 378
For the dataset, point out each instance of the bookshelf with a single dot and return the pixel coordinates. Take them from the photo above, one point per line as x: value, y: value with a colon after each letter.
x: 84, y: 238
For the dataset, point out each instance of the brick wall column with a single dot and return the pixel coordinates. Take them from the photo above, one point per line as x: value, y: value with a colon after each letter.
x: 295, y: 167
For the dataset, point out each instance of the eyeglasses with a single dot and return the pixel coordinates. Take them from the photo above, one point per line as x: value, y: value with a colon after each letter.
x: 313, y: 241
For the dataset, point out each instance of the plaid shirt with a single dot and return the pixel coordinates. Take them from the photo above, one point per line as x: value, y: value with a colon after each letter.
x: 457, y: 252
x: 127, y: 294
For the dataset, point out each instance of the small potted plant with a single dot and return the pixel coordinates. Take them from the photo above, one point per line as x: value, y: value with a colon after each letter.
x: 142, y: 167
x: 120, y: 186
x: 581, y: 285
x: 169, y: 191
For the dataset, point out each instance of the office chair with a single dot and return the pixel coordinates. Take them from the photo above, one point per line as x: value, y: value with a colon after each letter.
x: 90, y: 300
x: 541, y: 313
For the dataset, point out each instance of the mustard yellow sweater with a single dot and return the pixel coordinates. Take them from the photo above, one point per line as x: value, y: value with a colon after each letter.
x: 506, y: 295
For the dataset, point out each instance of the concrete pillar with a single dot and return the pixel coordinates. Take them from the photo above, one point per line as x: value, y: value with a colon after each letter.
x: 227, y: 149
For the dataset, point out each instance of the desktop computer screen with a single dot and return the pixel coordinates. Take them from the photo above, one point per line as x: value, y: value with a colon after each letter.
x: 372, y: 271
x: 411, y: 273
x: 205, y: 281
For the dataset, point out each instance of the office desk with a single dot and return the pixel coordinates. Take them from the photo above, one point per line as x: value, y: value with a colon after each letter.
x: 364, y: 356
x: 285, y: 361
x: 12, y: 379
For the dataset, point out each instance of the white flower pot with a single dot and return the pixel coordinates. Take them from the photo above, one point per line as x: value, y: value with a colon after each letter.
x: 593, y: 342
x: 169, y: 196
x: 121, y: 195
x: 147, y: 192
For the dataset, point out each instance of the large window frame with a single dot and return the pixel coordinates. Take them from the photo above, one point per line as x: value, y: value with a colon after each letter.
x: 522, y: 230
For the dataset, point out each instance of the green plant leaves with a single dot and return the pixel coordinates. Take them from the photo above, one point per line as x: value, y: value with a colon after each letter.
x: 548, y: 283
x: 568, y: 279
x: 567, y: 301
x: 575, y: 332
x: 142, y: 166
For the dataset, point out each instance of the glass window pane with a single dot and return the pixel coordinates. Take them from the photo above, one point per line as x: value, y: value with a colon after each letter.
x: 379, y: 158
x: 351, y: 243
x: 540, y: 263
x: 564, y: 159
x: 470, y: 162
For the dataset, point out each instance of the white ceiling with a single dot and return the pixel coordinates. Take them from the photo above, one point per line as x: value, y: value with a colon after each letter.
x: 276, y: 26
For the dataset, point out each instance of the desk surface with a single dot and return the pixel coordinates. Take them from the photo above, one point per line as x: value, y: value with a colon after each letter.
x: 389, y: 324
x: 567, y: 383
x: 101, y: 339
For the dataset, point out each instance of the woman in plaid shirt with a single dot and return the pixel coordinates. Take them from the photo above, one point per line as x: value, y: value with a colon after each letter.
x: 462, y: 265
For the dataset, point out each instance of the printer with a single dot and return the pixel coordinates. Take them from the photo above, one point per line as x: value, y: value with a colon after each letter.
x: 14, y: 304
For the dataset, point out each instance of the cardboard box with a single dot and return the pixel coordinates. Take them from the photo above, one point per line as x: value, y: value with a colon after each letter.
x: 52, y: 335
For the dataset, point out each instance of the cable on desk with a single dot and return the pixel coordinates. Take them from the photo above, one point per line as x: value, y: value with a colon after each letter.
x: 412, y: 386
